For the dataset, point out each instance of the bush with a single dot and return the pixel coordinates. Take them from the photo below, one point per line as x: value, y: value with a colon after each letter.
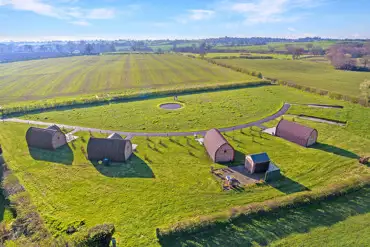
x: 97, y: 236
x: 335, y: 96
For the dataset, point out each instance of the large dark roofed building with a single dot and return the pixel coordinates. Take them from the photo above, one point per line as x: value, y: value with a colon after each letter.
x: 50, y: 138
x: 114, y: 148
x: 218, y: 147
x: 297, y: 133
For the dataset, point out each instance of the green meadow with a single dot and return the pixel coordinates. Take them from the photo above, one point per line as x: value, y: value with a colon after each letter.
x: 277, y: 46
x: 86, y: 75
x: 200, y: 111
x: 343, y: 221
x: 306, y: 73
x: 168, y: 179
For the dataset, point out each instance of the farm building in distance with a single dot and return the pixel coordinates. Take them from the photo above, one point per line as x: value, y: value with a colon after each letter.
x: 50, y: 138
x: 218, y: 147
x: 114, y: 148
x: 257, y: 163
x: 297, y: 133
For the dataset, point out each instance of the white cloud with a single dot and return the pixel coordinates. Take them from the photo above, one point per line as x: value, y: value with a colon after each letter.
x: 200, y: 14
x: 80, y: 23
x: 35, y: 6
x: 292, y: 29
x: 63, y: 9
x: 269, y: 11
x: 195, y: 15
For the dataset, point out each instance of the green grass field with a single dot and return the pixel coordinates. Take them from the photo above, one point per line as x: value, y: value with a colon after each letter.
x: 319, y: 75
x: 169, y: 180
x: 344, y: 221
x: 278, y: 46
x: 65, y: 77
x: 200, y: 112
x: 230, y: 54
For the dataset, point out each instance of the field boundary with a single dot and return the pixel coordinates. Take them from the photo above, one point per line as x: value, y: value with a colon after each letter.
x: 361, y: 100
x: 11, y: 111
x: 207, y: 222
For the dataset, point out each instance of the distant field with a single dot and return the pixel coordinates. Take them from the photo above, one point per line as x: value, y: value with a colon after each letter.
x: 201, y: 111
x: 319, y: 75
x: 35, y: 80
x: 229, y: 54
x: 278, y: 46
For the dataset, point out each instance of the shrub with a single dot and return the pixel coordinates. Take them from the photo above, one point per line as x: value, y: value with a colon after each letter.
x: 335, y: 96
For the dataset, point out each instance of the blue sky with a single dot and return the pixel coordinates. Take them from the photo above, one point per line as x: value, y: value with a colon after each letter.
x: 139, y: 19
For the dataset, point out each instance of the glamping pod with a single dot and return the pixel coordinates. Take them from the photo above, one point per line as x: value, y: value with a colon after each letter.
x: 257, y: 163
x: 114, y: 148
x: 218, y: 147
x: 297, y: 133
x: 50, y: 138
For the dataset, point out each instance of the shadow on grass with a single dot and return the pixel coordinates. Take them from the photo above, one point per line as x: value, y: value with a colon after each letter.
x: 63, y: 155
x: 287, y: 185
x: 335, y: 150
x: 133, y: 168
x: 264, y: 229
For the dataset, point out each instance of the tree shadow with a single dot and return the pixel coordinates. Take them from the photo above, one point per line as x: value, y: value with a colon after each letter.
x: 135, y: 167
x: 63, y: 155
x: 263, y: 229
x: 335, y: 150
x: 287, y: 185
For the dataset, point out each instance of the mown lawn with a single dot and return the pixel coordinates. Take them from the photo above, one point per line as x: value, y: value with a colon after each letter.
x: 318, y: 75
x: 201, y: 111
x: 63, y: 77
x: 169, y: 180
x: 344, y: 221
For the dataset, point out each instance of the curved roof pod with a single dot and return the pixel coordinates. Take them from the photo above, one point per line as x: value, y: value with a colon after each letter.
x: 45, y: 138
x: 297, y: 133
x: 218, y: 147
x: 114, y: 149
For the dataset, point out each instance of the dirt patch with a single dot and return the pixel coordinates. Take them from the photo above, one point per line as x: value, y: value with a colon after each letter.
x: 325, y: 106
x: 320, y: 120
x: 171, y: 106
x: 239, y: 173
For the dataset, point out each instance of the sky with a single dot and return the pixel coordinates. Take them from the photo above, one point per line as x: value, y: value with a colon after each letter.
x: 181, y: 19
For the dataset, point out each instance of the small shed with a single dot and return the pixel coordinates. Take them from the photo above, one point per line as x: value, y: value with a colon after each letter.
x: 218, y: 147
x: 273, y: 173
x: 297, y: 133
x: 50, y: 138
x: 114, y: 148
x: 257, y: 163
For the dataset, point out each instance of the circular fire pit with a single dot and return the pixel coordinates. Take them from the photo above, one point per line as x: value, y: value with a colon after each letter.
x: 170, y: 106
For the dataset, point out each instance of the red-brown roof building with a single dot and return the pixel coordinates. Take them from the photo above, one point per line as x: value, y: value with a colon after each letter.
x: 297, y: 133
x: 218, y: 147
x: 50, y: 138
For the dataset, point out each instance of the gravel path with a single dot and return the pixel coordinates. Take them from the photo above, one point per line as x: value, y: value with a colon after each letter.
x: 280, y: 113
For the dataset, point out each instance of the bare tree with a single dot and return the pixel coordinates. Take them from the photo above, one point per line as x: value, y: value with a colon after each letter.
x: 309, y: 46
x: 365, y: 61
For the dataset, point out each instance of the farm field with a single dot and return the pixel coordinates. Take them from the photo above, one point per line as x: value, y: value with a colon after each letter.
x: 319, y: 75
x: 343, y: 221
x: 213, y: 55
x: 64, y: 77
x: 168, y: 180
x: 278, y: 46
x: 200, y: 112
